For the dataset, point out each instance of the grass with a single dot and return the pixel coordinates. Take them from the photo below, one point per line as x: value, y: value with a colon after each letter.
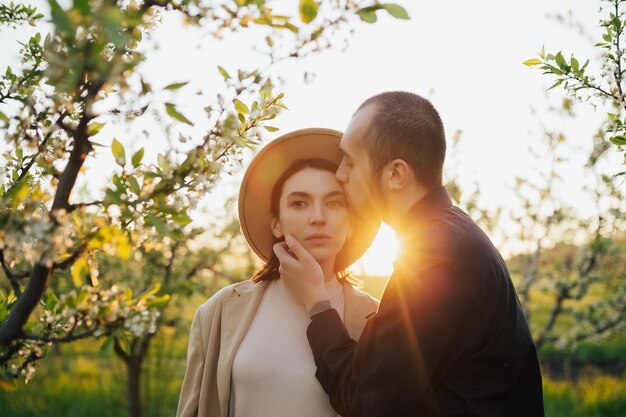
x: 82, y: 382
x: 591, y: 396
x: 74, y: 385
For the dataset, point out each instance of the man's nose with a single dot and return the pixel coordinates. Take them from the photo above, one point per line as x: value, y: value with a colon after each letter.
x: 340, y: 175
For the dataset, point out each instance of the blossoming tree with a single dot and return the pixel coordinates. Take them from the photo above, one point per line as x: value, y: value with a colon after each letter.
x: 55, y: 242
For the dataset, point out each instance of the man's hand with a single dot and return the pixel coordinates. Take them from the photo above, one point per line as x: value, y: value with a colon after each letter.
x: 301, y: 273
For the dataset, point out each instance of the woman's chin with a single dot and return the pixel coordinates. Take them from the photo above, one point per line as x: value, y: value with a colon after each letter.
x: 323, y: 255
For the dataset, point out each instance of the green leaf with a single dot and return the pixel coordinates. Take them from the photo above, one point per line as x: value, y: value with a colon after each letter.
x: 173, y: 113
x: 575, y: 64
x: 155, y: 289
x: 94, y: 128
x: 118, y: 152
x: 158, y: 224
x: 271, y: 128
x: 618, y: 140
x: 79, y: 271
x: 17, y: 194
x: 585, y: 65
x: 61, y: 20
x: 367, y: 14
x: 51, y: 301
x: 123, y: 343
x: 176, y: 86
x: 542, y: 54
x: 532, y: 61
x: 223, y: 72
x: 396, y: 11
x: 3, y: 312
x: 107, y: 345
x: 134, y: 185
x: 308, y: 10
x: 83, y: 7
x: 240, y: 107
x: 137, y: 157
x: 560, y: 60
x: 166, y: 209
x: 158, y: 302
x: 181, y: 219
x: 556, y: 84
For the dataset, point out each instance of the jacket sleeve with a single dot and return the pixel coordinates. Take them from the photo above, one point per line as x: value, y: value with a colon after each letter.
x: 190, y: 391
x: 402, y: 348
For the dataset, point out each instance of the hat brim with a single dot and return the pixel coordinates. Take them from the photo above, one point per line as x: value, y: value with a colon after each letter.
x: 263, y: 172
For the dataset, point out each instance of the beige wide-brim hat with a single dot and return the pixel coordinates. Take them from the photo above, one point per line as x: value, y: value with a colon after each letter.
x: 263, y: 172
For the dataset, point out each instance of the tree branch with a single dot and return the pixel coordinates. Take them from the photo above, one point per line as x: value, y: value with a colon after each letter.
x: 554, y: 314
x: 40, y: 274
x: 12, y: 278
x: 12, y: 327
x: 39, y: 151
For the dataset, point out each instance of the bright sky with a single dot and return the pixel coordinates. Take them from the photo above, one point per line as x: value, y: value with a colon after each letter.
x: 465, y: 56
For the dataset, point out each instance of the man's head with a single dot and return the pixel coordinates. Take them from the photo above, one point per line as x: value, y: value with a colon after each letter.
x: 394, y: 148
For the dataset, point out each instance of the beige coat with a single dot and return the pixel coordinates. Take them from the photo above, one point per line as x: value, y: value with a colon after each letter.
x: 217, y: 330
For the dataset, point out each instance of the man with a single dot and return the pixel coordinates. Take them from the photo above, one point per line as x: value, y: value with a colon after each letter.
x: 449, y: 337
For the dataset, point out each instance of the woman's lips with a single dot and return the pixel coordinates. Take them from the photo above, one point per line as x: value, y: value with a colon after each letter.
x: 318, y: 239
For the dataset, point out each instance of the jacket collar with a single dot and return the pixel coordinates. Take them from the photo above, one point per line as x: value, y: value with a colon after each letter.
x: 238, y: 311
x: 423, y: 210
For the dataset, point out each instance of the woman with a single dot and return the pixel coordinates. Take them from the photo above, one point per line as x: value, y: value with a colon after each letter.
x: 248, y: 353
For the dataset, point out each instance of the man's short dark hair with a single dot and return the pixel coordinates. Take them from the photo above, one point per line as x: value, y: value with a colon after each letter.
x: 408, y: 127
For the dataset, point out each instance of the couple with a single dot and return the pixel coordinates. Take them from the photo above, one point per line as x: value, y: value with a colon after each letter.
x: 449, y: 337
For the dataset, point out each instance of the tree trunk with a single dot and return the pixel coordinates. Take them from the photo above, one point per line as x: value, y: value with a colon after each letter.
x: 134, y: 362
x: 134, y: 392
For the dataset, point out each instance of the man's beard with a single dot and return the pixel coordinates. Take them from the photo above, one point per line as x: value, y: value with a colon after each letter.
x: 375, y: 205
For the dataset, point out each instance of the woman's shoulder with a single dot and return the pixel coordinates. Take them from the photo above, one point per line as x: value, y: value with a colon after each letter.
x: 229, y: 291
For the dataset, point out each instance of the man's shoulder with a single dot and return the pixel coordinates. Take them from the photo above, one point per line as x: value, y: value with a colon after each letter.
x: 450, y: 237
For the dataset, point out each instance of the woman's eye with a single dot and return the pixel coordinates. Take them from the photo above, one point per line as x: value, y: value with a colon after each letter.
x: 336, y: 203
x: 297, y: 203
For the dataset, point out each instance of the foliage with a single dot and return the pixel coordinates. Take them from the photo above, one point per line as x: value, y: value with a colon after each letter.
x: 60, y: 250
x: 569, y: 274
x: 607, y: 86
x: 570, y: 291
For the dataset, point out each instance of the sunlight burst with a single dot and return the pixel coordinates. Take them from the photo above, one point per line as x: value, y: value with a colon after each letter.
x: 378, y: 260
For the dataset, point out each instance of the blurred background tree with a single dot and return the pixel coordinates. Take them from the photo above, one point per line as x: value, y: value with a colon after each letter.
x: 604, y: 88
x: 84, y: 263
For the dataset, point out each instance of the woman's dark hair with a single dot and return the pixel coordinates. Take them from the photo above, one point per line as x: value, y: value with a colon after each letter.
x: 269, y: 271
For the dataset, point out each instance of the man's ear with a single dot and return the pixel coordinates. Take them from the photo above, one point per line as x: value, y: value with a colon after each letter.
x: 397, y: 175
x: 277, y: 229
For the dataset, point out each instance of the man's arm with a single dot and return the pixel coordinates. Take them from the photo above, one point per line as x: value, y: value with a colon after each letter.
x: 403, y: 348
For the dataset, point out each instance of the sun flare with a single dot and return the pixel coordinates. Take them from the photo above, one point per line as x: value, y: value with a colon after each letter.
x: 378, y: 260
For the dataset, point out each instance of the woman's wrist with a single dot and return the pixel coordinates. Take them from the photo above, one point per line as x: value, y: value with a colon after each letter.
x: 318, y: 307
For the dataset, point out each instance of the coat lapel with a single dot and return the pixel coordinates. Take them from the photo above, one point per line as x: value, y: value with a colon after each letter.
x: 237, y: 314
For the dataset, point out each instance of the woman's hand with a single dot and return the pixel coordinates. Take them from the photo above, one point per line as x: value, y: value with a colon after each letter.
x: 301, y: 273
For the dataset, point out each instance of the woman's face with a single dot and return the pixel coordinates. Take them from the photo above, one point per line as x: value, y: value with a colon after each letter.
x: 313, y: 208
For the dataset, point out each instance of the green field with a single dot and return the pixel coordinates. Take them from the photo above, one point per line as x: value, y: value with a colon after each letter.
x: 93, y: 385
x: 79, y: 380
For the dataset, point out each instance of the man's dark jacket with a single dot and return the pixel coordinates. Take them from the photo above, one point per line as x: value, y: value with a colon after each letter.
x: 449, y: 337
